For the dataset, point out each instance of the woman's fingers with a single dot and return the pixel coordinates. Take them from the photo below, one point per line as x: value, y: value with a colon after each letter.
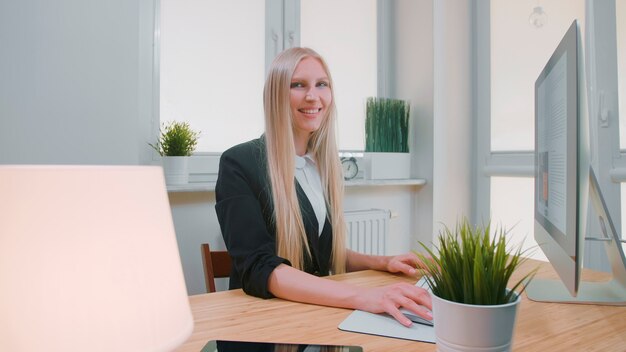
x: 395, y: 267
x: 397, y: 314
x: 405, y: 263
x: 412, y: 298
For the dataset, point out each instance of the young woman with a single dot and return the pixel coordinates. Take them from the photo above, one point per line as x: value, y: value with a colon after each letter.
x: 280, y: 202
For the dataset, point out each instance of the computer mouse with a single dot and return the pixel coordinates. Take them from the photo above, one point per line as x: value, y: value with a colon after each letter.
x: 416, y: 318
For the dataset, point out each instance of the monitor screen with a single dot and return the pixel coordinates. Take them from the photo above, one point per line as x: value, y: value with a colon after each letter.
x: 557, y: 187
x: 565, y: 182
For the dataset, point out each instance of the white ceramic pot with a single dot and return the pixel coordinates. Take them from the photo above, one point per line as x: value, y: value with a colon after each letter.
x: 176, y: 170
x: 466, y: 327
x: 387, y: 166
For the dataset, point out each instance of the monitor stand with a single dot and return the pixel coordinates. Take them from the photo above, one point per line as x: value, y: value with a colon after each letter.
x: 602, y: 293
x: 612, y: 292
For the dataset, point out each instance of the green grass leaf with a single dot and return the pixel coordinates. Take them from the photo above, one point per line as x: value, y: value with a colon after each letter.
x: 387, y: 125
x: 176, y: 139
x: 471, y: 266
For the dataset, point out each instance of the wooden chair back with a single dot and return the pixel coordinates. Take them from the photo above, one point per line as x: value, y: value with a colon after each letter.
x: 217, y: 264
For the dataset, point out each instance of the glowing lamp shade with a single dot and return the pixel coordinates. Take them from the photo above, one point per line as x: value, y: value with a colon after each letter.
x: 89, y: 261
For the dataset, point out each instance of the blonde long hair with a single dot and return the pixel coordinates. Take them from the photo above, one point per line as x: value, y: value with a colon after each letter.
x: 290, y: 234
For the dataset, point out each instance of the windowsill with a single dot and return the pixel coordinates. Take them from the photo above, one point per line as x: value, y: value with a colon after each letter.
x: 376, y: 183
x: 192, y: 187
x: 210, y: 186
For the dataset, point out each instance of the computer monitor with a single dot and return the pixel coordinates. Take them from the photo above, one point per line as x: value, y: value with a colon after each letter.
x: 565, y: 182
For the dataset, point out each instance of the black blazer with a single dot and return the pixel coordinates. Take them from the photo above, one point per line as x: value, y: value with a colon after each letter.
x: 245, y: 212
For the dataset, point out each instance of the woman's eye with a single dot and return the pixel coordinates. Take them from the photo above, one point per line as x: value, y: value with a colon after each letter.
x: 322, y: 84
x: 296, y: 85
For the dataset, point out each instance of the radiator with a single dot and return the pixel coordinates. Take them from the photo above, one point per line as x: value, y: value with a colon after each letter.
x: 367, y: 230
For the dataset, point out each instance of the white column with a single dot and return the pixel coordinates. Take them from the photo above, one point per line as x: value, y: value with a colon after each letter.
x: 453, y: 112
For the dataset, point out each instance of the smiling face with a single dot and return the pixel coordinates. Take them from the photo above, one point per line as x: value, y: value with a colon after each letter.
x: 310, y: 97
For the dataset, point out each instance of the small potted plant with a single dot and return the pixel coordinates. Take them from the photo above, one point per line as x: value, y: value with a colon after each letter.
x: 177, y: 141
x: 468, y: 273
x: 387, y: 139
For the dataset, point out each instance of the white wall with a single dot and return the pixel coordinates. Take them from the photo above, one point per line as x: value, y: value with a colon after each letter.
x: 195, y: 222
x: 75, y: 81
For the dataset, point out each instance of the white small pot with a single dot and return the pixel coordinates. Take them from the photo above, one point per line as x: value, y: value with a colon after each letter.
x: 176, y: 170
x: 387, y: 166
x: 466, y: 327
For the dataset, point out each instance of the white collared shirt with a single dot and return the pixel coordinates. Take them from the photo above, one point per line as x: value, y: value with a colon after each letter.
x: 309, y: 179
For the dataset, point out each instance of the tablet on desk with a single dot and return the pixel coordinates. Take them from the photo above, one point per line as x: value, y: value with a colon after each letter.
x: 237, y: 346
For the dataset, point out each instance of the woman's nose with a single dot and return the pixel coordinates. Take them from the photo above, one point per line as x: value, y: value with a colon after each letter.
x: 310, y: 96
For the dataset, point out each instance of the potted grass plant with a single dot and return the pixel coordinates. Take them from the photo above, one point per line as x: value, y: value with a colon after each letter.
x: 387, y: 139
x: 469, y: 273
x: 176, y: 142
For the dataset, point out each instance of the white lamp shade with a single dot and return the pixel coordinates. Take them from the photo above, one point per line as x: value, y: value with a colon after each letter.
x: 89, y: 261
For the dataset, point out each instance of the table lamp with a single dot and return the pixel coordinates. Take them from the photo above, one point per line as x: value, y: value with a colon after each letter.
x: 89, y: 261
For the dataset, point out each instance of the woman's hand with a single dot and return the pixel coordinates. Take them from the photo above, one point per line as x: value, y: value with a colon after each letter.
x: 404, y: 263
x: 389, y: 299
x: 289, y: 283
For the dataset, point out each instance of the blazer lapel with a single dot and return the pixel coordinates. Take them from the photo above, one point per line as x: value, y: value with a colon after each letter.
x: 308, y: 214
x: 310, y: 223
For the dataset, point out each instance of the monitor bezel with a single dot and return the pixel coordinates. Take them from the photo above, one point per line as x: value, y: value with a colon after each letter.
x: 563, y: 249
x: 568, y: 265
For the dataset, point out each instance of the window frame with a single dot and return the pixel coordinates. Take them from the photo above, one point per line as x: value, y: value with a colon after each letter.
x: 610, y: 162
x: 282, y: 31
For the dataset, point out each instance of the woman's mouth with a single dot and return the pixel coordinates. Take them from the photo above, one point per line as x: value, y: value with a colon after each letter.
x: 310, y: 111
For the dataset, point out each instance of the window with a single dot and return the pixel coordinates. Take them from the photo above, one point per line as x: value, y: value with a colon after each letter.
x: 620, y: 21
x: 212, y: 69
x: 351, y: 56
x: 213, y: 58
x: 518, y: 53
x: 515, y: 212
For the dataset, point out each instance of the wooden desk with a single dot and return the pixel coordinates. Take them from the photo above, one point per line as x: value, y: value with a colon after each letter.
x: 233, y: 315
